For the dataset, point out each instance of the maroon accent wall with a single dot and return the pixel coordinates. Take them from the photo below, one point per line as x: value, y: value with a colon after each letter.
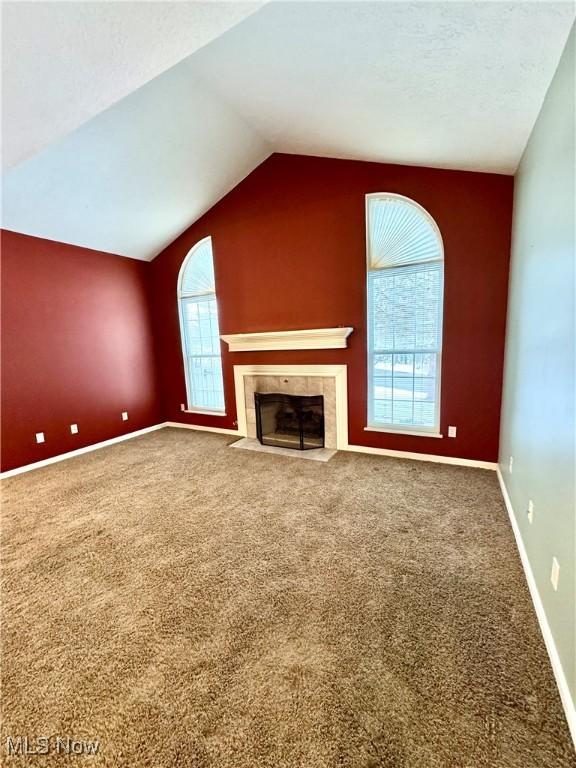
x: 290, y: 253
x: 77, y: 347
x: 80, y: 344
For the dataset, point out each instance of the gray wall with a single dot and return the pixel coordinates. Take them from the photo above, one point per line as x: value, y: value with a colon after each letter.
x: 538, y: 414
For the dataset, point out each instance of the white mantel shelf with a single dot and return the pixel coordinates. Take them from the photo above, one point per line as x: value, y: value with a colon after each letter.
x: 314, y: 338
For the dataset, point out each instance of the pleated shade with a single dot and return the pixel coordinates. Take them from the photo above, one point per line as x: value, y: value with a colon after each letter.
x: 400, y: 233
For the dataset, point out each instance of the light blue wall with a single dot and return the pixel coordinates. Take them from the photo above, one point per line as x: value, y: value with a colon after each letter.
x: 538, y: 413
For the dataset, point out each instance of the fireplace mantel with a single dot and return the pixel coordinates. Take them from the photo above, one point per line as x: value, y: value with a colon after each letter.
x: 314, y: 338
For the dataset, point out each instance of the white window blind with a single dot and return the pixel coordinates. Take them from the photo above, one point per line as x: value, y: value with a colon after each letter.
x: 199, y: 330
x: 405, y: 292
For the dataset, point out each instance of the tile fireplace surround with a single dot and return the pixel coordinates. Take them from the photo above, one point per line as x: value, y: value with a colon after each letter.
x: 326, y: 380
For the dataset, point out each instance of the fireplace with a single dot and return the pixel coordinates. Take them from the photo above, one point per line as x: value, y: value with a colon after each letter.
x: 290, y: 421
x: 330, y: 381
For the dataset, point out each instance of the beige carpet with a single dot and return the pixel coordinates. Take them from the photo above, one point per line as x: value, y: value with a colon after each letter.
x: 190, y: 605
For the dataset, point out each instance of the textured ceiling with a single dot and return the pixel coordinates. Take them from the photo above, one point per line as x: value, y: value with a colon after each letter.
x: 454, y: 85
x: 133, y: 178
x: 448, y: 84
x: 64, y: 62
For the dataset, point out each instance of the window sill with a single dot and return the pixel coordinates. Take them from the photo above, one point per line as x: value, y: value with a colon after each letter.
x: 402, y: 432
x: 201, y: 412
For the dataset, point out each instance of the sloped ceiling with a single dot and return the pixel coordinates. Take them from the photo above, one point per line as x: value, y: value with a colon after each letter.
x: 448, y: 84
x: 454, y: 85
x: 134, y: 177
x: 64, y: 62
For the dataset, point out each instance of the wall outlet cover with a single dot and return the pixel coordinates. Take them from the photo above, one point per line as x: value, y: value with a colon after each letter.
x: 451, y: 431
x: 39, y: 437
x: 555, y: 573
x: 74, y: 429
x: 530, y: 511
x: 510, y: 464
x: 124, y: 415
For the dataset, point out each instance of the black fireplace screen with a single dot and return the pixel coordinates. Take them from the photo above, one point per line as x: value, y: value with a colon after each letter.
x: 290, y: 421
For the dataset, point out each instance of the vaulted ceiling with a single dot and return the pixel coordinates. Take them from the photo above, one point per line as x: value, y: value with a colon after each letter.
x: 64, y: 62
x: 124, y: 122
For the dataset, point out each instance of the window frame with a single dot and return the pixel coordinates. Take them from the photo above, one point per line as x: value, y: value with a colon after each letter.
x: 182, y: 296
x: 372, y: 425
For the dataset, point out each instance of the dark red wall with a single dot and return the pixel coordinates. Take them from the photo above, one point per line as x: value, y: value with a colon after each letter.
x: 289, y: 249
x: 290, y: 253
x: 77, y: 347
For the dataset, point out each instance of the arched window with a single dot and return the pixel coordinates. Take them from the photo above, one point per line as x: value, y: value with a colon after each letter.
x: 199, y: 330
x: 405, y: 303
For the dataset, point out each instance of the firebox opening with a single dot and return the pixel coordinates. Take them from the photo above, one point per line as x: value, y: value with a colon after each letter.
x: 290, y: 421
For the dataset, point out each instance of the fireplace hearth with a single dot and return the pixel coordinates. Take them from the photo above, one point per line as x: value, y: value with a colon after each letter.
x: 290, y: 421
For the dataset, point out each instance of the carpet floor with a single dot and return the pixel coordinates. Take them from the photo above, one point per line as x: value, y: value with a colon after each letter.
x: 186, y: 604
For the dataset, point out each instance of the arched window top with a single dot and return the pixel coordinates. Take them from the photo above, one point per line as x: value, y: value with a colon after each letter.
x: 197, y: 272
x: 400, y: 232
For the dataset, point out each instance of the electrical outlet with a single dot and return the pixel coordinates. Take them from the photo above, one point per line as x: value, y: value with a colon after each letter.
x: 510, y: 464
x: 124, y: 415
x: 74, y: 429
x: 39, y: 437
x: 530, y: 511
x: 451, y: 431
x: 182, y: 407
x: 555, y: 574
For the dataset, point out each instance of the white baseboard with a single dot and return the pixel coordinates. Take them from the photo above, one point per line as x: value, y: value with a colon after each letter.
x: 237, y: 433
x: 111, y: 441
x: 423, y: 457
x: 358, y: 448
x: 78, y: 452
x: 558, y: 670
x: 199, y: 428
